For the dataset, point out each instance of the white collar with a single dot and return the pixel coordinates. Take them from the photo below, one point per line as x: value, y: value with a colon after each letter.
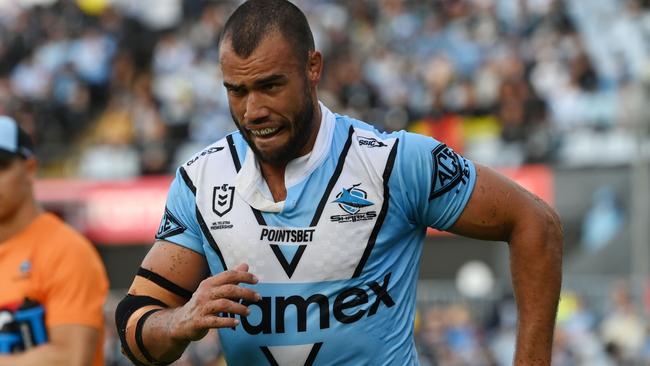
x: 250, y: 183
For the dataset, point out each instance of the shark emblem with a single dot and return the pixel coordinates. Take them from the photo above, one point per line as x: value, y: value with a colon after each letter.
x: 352, y: 199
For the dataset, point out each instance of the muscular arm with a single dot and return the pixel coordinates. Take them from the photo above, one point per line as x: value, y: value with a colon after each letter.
x: 167, y: 332
x: 69, y: 345
x: 499, y: 209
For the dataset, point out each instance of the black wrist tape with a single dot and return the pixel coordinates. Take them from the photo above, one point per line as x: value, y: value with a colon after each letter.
x: 123, y: 312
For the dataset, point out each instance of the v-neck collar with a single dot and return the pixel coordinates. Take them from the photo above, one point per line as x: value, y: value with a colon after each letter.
x: 250, y: 183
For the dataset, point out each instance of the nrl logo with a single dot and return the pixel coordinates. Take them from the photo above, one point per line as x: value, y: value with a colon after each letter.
x: 370, y: 142
x: 222, y: 199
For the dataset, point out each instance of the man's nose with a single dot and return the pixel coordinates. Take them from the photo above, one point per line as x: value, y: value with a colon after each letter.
x: 255, y: 109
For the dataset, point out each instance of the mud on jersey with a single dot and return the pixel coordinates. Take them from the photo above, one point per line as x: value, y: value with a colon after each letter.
x: 338, y: 259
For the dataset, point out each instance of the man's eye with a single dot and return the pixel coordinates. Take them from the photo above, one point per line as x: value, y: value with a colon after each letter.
x: 236, y: 91
x: 271, y: 87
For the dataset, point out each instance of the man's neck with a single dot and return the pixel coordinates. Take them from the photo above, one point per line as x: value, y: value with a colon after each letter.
x: 19, y: 221
x: 274, y: 173
x: 274, y: 176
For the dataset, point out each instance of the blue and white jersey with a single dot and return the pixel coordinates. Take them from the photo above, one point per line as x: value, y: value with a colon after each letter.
x: 337, y: 261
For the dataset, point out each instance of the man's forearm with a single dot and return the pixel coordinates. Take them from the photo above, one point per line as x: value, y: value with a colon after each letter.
x: 149, y: 336
x: 69, y: 345
x: 42, y: 355
x: 152, y: 332
x: 158, y: 337
x: 536, y: 265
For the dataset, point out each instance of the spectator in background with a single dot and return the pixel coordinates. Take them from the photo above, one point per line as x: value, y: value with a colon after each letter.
x: 577, y: 338
x: 511, y: 82
x: 271, y: 72
x: 623, y: 329
x: 51, y: 277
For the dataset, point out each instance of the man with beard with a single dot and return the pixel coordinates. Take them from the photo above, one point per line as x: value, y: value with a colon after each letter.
x: 298, y: 237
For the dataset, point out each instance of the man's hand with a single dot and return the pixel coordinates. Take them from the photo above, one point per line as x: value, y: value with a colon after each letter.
x: 195, y: 301
x: 214, y: 296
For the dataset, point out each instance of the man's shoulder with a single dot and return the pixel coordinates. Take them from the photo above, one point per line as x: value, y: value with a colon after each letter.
x: 57, y: 230
x: 346, y: 124
x: 370, y: 136
x: 217, y: 150
x: 61, y: 240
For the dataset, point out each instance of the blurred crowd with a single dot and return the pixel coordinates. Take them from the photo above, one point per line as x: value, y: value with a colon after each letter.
x: 115, y: 89
x: 598, y: 332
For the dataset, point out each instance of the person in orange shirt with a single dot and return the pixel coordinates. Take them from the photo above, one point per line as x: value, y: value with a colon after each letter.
x: 52, y: 282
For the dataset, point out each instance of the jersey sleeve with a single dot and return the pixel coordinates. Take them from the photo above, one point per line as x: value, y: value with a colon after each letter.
x: 434, y: 181
x: 76, y: 288
x: 179, y: 224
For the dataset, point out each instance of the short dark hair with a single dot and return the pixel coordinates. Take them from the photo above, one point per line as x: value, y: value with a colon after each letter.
x: 251, y: 22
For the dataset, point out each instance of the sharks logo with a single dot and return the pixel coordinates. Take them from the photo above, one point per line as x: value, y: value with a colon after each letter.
x: 352, y: 200
x: 24, y: 270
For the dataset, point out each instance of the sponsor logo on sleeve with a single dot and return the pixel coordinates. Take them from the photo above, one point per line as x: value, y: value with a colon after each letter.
x: 448, y: 171
x: 169, y: 226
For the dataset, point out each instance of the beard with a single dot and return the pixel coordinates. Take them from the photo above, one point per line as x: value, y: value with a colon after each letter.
x: 300, y: 131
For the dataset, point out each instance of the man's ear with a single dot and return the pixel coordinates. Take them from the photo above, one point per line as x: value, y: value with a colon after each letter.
x: 31, y: 165
x: 314, y: 67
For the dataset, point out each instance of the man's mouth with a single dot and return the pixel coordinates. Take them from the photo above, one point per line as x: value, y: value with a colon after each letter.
x: 264, y: 132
